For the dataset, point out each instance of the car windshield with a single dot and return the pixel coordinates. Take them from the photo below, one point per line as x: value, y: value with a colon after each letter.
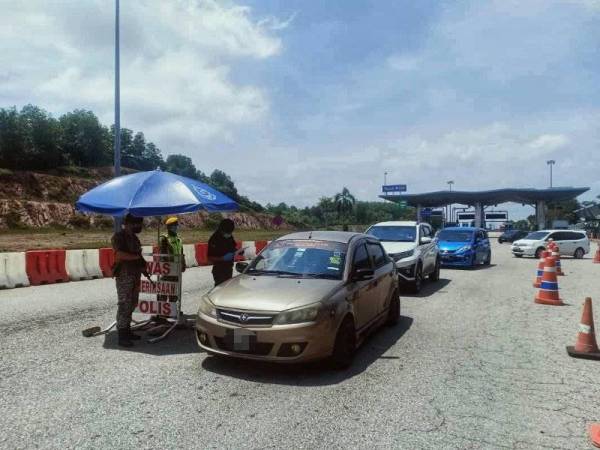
x: 301, y: 258
x: 536, y: 236
x: 455, y: 236
x: 394, y: 233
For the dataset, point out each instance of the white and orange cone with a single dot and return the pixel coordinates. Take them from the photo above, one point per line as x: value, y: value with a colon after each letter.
x: 586, y: 346
x: 537, y: 282
x: 548, y: 293
x: 556, y: 256
x: 597, y: 256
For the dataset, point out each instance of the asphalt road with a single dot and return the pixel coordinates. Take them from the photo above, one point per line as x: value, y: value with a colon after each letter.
x: 473, y: 364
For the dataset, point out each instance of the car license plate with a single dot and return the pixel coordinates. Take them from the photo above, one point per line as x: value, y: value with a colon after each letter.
x: 241, y: 340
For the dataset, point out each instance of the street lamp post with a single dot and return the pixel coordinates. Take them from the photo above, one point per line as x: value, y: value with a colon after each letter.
x: 117, y: 137
x: 385, y: 178
x: 550, y: 162
x: 449, y: 212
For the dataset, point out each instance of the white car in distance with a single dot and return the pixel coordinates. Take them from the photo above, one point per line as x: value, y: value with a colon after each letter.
x: 412, y: 247
x: 570, y: 243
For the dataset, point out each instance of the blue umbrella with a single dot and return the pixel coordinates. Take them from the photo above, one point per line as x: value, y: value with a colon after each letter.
x: 153, y: 193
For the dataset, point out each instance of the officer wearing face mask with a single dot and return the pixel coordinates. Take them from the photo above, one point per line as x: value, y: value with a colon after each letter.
x: 222, y: 251
x: 128, y: 268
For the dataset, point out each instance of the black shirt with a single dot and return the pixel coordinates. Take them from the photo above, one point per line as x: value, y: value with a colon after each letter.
x: 219, y: 246
x: 125, y: 241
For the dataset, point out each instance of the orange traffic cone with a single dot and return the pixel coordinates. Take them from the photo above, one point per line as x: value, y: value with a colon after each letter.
x: 551, y: 244
x: 540, y: 269
x: 597, y: 256
x: 595, y: 434
x: 586, y: 346
x: 548, y: 293
x: 556, y: 256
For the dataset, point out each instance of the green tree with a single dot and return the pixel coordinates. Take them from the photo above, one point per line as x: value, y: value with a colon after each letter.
x: 84, y: 141
x: 181, y: 165
x: 223, y: 182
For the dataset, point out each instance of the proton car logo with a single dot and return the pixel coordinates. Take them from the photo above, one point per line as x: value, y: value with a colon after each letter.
x: 244, y: 317
x: 204, y: 193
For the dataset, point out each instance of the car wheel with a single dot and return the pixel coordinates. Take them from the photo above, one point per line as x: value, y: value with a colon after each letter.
x: 500, y: 241
x: 538, y: 252
x: 579, y: 253
x: 417, y: 284
x: 345, y: 345
x: 435, y: 275
x: 394, y: 311
x: 488, y: 259
x: 516, y: 255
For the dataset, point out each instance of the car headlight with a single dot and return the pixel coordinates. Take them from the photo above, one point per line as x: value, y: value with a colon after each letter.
x: 207, y: 307
x: 464, y: 249
x: 299, y: 315
x: 402, y: 255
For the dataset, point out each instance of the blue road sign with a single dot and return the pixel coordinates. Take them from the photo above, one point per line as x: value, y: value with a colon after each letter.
x: 394, y: 188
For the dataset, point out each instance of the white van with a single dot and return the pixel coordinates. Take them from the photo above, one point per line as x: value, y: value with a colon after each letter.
x: 570, y: 243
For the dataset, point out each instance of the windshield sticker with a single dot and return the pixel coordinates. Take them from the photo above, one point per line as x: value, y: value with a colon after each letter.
x: 335, y: 260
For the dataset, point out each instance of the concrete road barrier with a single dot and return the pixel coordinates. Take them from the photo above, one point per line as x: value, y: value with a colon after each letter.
x: 190, y: 255
x: 13, y: 271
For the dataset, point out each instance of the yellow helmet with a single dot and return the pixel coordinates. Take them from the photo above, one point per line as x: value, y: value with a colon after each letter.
x: 171, y: 221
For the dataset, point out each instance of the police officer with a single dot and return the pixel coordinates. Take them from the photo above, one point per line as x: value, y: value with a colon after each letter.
x: 171, y: 244
x: 128, y: 268
x: 222, y: 251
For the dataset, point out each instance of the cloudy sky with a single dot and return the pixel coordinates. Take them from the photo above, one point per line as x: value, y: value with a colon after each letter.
x: 296, y: 99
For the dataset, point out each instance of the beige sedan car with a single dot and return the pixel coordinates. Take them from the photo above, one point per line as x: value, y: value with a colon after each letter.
x: 307, y: 296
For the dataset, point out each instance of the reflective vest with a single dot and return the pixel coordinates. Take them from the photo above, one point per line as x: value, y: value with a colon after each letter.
x: 175, y: 244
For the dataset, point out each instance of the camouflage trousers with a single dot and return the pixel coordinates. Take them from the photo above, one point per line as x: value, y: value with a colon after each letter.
x: 128, y: 293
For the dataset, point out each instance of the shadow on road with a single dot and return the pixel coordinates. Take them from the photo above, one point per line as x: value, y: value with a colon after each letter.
x: 179, y: 341
x: 428, y: 289
x: 312, y: 374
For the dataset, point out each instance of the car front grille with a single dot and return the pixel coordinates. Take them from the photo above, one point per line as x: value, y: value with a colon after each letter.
x: 244, y: 318
x: 447, y: 252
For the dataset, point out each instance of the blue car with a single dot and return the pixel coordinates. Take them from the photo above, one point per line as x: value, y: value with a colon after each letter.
x: 464, y: 247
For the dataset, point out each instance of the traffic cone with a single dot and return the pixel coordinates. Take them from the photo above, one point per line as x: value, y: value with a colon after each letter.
x: 551, y: 244
x: 597, y: 256
x: 556, y: 256
x: 548, y: 293
x: 595, y: 434
x: 586, y: 346
x: 540, y: 269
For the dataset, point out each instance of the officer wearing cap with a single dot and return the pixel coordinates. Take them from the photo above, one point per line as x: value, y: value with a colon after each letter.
x: 222, y: 251
x: 171, y: 244
x: 128, y: 268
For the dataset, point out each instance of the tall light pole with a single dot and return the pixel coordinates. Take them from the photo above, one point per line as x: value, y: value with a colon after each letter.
x: 117, y: 155
x: 449, y: 211
x: 551, y: 162
x: 385, y: 178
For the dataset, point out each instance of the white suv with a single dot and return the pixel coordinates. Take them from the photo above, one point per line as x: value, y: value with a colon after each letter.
x: 570, y: 242
x: 413, y: 249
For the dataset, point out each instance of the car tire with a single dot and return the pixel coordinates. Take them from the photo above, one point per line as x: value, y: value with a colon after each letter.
x: 417, y: 284
x: 488, y: 259
x: 579, y: 253
x: 435, y: 275
x: 538, y: 252
x: 345, y: 345
x: 394, y: 311
x: 500, y: 241
x: 517, y: 256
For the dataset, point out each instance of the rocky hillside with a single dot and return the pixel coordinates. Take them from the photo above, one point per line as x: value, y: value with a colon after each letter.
x: 36, y: 200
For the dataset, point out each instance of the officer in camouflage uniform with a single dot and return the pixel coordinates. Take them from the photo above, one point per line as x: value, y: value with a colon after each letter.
x: 129, y: 266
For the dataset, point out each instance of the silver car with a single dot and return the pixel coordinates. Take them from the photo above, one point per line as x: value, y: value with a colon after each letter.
x: 307, y: 296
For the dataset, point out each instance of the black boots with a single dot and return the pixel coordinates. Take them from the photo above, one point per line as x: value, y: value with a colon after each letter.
x: 124, y: 338
x: 133, y: 337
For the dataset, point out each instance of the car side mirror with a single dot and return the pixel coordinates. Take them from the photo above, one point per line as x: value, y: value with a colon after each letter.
x: 362, y: 275
x: 426, y: 240
x: 241, y: 267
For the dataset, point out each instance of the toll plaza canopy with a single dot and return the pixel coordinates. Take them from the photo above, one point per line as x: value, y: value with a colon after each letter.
x: 481, y: 199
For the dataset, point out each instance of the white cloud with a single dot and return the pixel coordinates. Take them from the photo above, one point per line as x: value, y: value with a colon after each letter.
x: 176, y: 64
x: 548, y: 142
